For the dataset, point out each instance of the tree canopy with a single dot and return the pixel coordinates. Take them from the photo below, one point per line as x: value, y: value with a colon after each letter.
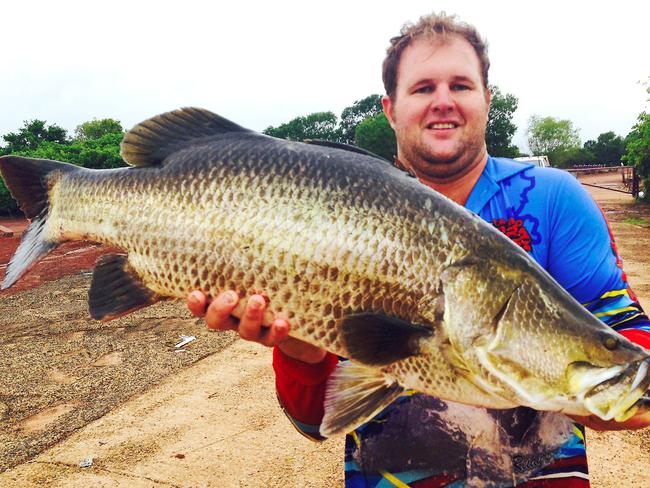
x: 318, y: 125
x: 38, y: 140
x: 607, y: 148
x: 359, y: 111
x: 32, y: 134
x: 637, y: 145
x: 637, y: 149
x: 325, y: 125
x: 500, y: 128
x: 94, y: 129
x: 376, y: 135
x: 552, y: 137
x: 101, y: 153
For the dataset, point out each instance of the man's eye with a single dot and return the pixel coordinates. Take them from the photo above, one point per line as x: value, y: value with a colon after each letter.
x: 424, y: 89
x: 459, y: 87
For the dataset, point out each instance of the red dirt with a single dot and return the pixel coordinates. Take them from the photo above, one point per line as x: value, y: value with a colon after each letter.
x: 69, y: 258
x: 16, y: 225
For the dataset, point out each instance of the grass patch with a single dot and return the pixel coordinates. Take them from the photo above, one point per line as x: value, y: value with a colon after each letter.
x: 636, y: 221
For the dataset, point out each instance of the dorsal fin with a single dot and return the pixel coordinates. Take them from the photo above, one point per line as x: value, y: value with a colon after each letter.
x: 345, y: 147
x: 151, y: 141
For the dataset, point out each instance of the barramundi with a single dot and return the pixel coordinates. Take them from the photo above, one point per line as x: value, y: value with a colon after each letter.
x: 363, y: 260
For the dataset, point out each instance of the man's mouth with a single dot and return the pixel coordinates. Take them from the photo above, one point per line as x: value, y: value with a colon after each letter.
x: 442, y: 125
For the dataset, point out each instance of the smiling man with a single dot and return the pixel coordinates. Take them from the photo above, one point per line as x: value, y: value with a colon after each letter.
x: 437, y: 101
x: 445, y: 146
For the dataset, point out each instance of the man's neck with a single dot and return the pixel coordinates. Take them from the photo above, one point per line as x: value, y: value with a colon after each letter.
x: 460, y: 187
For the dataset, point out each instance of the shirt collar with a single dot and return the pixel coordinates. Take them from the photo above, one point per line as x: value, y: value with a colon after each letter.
x: 496, y: 170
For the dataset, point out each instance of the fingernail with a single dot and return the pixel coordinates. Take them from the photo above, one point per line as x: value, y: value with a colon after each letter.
x: 193, y: 299
x: 254, y: 304
x: 228, y: 298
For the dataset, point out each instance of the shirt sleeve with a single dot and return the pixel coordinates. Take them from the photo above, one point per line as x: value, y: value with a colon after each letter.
x: 301, y: 390
x: 584, y: 259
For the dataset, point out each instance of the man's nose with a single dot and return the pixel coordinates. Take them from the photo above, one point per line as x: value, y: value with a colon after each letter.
x: 443, y: 99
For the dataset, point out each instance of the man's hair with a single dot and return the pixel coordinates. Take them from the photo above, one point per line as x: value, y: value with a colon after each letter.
x: 435, y: 27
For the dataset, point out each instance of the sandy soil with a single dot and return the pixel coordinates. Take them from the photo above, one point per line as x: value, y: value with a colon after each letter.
x: 72, y: 388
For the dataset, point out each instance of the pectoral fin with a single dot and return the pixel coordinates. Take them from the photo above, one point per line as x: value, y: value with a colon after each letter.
x: 116, y: 289
x: 354, y: 395
x: 378, y: 340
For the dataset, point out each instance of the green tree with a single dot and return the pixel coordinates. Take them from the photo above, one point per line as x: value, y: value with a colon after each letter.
x: 637, y: 149
x: 500, y: 128
x: 353, y: 115
x: 33, y: 133
x: 94, y: 129
x: 588, y: 150
x: 376, y: 135
x: 572, y: 157
x: 637, y: 145
x: 608, y: 148
x: 100, y: 153
x: 552, y: 137
x: 319, y: 125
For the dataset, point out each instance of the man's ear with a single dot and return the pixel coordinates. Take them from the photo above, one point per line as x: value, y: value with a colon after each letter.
x: 387, y: 105
x: 488, y: 98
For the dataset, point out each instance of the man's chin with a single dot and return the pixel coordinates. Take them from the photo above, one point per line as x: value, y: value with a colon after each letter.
x: 442, y: 160
x: 444, y: 167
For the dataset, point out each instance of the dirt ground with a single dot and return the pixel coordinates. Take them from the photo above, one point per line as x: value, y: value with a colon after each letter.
x: 72, y: 388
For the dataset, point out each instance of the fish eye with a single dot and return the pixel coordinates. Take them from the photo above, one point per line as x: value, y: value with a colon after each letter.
x: 611, y: 343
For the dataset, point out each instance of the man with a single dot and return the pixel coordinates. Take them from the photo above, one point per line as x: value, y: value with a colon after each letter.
x: 437, y: 101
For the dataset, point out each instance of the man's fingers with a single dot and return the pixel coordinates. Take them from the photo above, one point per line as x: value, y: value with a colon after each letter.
x: 277, y: 333
x: 197, y: 302
x: 250, y: 325
x: 218, y: 315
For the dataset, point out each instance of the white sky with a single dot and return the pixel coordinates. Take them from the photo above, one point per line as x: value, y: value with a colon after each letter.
x: 263, y: 63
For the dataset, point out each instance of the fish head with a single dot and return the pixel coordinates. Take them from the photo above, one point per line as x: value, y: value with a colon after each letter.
x: 612, y: 393
x: 517, y: 334
x: 560, y: 357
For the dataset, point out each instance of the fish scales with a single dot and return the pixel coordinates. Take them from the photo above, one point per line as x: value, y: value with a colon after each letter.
x: 231, y: 232
x: 363, y: 260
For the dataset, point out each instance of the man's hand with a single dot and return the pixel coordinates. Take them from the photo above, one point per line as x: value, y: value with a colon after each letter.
x: 218, y: 316
x: 639, y: 421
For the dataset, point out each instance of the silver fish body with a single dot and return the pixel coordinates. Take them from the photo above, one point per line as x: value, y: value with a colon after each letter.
x: 363, y: 260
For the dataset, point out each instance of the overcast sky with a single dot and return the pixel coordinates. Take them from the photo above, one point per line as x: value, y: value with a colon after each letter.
x: 263, y: 63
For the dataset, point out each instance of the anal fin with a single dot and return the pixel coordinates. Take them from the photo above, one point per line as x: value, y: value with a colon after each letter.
x: 116, y: 289
x: 354, y: 395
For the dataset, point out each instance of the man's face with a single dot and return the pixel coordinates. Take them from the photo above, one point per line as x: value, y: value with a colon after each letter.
x: 440, y: 108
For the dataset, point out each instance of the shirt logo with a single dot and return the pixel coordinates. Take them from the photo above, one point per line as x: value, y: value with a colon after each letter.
x: 515, y: 230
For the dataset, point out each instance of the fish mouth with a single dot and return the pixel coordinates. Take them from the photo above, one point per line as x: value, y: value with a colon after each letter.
x: 611, y: 393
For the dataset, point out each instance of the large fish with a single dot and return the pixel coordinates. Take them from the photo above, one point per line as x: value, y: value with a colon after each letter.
x: 363, y: 260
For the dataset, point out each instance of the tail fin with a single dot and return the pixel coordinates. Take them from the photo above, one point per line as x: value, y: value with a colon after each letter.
x: 28, y: 181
